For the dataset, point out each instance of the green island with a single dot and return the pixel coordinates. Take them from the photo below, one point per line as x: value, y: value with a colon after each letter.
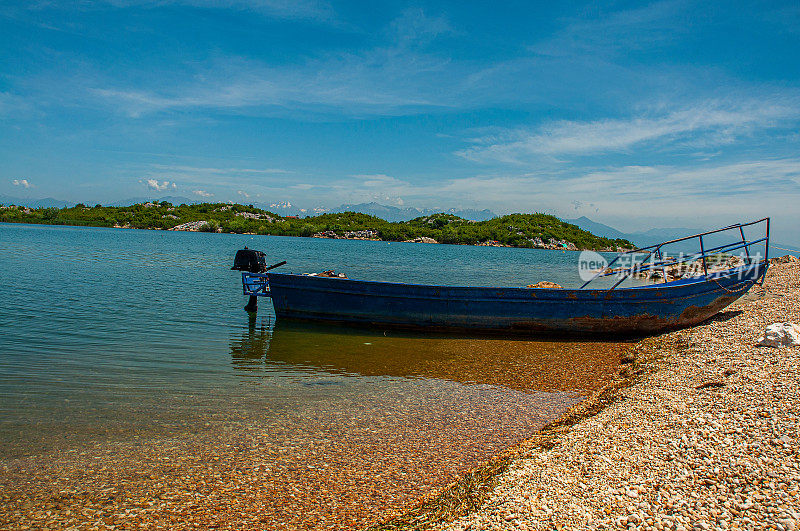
x: 541, y: 231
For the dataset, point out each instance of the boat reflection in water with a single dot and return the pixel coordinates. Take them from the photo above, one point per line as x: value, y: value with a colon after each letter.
x: 520, y: 364
x: 382, y: 421
x: 249, y: 350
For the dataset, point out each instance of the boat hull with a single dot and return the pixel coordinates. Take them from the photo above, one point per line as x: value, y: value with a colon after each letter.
x: 643, y: 309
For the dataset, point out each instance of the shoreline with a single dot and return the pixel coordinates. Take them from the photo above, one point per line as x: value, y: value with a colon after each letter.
x: 305, y: 237
x: 552, y: 245
x: 466, y: 496
x: 700, y: 432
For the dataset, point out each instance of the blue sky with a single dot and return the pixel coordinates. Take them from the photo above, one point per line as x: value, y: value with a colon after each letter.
x: 633, y: 114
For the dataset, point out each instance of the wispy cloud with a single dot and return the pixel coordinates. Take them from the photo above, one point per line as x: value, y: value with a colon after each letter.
x: 219, y: 178
x: 217, y: 171
x: 202, y: 193
x: 415, y: 27
x: 315, y: 10
x: 407, y: 68
x: 360, y: 85
x: 601, y: 33
x: 21, y: 182
x: 706, y: 124
x: 16, y: 106
x: 379, y: 180
x: 392, y: 78
x: 676, y: 184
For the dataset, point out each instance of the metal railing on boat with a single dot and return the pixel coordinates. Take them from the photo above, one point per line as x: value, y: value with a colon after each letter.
x: 658, y: 261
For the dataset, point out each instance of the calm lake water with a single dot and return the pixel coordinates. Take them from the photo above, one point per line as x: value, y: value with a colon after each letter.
x: 127, y: 363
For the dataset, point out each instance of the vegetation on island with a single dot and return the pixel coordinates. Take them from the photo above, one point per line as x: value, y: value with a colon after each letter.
x: 515, y: 230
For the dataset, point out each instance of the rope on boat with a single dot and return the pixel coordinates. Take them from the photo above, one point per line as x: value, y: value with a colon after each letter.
x: 724, y: 288
x: 784, y: 249
x: 763, y: 278
x: 715, y: 281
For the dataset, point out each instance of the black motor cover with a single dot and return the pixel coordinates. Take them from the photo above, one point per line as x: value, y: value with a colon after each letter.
x: 250, y: 260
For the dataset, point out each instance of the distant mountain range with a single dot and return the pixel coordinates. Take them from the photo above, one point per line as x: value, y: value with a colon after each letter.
x: 389, y: 213
x: 642, y: 238
x: 47, y: 202
x: 654, y: 236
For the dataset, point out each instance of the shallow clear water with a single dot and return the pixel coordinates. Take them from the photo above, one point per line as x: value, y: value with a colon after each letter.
x: 124, y: 339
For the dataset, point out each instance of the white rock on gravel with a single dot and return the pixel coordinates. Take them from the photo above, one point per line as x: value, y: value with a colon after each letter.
x: 780, y: 335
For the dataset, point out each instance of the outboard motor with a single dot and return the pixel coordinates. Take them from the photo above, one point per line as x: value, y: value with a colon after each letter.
x: 250, y: 260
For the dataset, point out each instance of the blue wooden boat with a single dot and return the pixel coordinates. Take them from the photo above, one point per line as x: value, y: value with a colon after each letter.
x: 637, y: 309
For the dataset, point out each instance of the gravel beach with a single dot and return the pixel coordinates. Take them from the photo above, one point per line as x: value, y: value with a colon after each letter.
x: 705, y: 438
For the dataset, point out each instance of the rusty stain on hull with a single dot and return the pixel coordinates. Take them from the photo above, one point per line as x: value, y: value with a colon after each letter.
x: 694, y: 315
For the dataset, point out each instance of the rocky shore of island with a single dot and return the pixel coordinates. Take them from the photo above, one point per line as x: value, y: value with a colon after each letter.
x: 705, y: 434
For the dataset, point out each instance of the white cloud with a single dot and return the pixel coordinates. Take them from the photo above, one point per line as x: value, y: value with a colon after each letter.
x: 154, y: 184
x: 243, y: 194
x: 202, y: 193
x: 379, y: 180
x: 708, y: 124
x: 21, y: 182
